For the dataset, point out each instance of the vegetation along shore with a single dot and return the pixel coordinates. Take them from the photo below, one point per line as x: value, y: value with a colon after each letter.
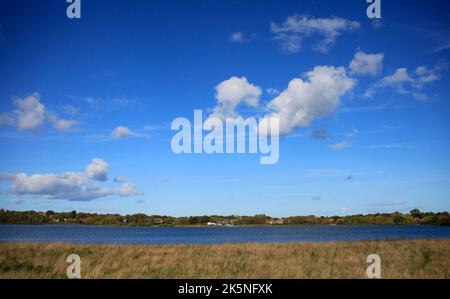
x: 414, y: 217
x: 399, y: 259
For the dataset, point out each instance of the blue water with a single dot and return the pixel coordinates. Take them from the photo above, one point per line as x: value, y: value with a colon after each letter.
x: 205, y: 235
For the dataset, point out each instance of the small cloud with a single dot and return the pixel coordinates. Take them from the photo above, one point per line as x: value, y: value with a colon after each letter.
x: 340, y: 146
x: 71, y: 110
x: 237, y: 37
x: 127, y: 189
x: 364, y: 64
x: 407, y: 82
x: 61, y: 124
x: 352, y: 133
x: 111, y: 103
x: 389, y: 203
x: 443, y: 47
x: 30, y: 114
x: 316, y: 198
x: 297, y: 28
x: 273, y: 91
x: 121, y: 132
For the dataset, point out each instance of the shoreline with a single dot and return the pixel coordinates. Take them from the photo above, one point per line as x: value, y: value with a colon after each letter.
x: 222, y: 244
x: 227, y: 227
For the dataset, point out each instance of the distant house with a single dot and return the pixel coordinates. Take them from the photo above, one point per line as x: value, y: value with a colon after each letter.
x: 276, y: 221
x: 212, y: 224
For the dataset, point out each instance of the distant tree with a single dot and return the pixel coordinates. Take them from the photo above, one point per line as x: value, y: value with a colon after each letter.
x: 49, y: 213
x: 416, y: 213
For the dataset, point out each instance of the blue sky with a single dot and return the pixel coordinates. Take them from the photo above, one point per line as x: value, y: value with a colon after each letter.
x: 103, y: 90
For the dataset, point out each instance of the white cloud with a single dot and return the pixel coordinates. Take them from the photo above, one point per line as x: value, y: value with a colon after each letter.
x: 69, y: 185
x: 296, y: 28
x: 306, y: 100
x: 29, y: 113
x: 404, y: 82
x: 399, y: 77
x: 121, y: 132
x: 97, y: 170
x: 127, y: 188
x: 72, y: 186
x: 233, y: 92
x: 366, y: 64
x: 61, y: 124
x: 237, y: 37
x: 340, y: 146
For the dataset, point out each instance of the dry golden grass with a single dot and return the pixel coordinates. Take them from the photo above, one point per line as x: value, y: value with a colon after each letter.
x: 400, y: 259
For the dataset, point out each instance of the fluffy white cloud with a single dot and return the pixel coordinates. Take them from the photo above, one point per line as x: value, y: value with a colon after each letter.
x: 30, y: 114
x: 296, y: 28
x: 72, y: 186
x: 306, y: 100
x: 233, y: 92
x: 97, y: 170
x: 367, y: 64
x: 237, y: 37
x: 127, y: 188
x: 121, y: 132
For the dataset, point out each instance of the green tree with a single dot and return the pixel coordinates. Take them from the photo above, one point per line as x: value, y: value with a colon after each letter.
x: 416, y: 213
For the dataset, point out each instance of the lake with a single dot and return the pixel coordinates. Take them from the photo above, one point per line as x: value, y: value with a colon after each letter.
x: 214, y: 235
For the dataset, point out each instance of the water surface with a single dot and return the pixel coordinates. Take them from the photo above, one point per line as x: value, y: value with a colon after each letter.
x: 215, y: 235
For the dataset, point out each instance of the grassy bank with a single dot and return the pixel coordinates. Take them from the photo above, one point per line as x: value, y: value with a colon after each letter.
x: 399, y: 259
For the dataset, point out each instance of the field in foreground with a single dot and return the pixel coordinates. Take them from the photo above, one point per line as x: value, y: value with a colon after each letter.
x: 399, y: 259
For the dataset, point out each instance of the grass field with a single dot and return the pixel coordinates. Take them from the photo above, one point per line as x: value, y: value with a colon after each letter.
x: 399, y: 259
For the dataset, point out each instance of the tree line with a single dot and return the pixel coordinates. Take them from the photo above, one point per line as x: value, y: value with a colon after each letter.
x: 50, y: 217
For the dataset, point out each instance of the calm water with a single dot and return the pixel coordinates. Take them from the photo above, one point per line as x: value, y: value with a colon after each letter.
x: 205, y: 235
